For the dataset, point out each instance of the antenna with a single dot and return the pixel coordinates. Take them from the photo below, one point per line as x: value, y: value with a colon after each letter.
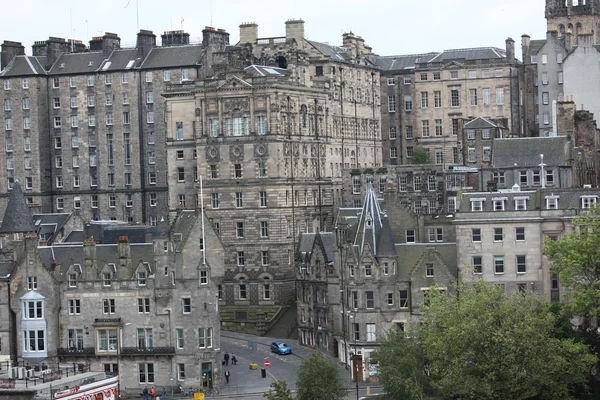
x: 71, y: 27
x: 211, y: 21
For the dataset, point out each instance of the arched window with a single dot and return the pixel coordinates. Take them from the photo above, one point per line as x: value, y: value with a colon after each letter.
x: 281, y: 62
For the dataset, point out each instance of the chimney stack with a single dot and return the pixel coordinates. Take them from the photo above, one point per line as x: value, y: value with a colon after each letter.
x: 217, y: 38
x: 294, y: 29
x: 510, y: 50
x: 106, y: 43
x: 9, y: 51
x: 124, y: 248
x: 146, y: 40
x: 525, y: 41
x: 175, y: 38
x: 248, y: 33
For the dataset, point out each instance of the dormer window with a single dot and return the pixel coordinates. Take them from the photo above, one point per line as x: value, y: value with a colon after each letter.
x: 551, y: 202
x: 521, y: 203
x: 141, y: 278
x: 477, y: 205
x: 106, y: 279
x: 72, y: 278
x: 588, y: 201
x: 368, y: 270
x: 499, y: 203
x: 32, y: 283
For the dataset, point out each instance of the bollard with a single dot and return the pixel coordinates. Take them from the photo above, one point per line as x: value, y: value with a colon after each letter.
x: 263, y: 372
x: 368, y: 390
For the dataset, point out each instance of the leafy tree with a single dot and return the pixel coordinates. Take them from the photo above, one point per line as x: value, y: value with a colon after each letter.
x: 576, y: 259
x: 481, y: 343
x: 319, y: 379
x: 420, y: 156
x: 279, y: 391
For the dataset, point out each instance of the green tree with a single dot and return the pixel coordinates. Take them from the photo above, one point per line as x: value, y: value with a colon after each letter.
x: 319, y: 379
x: 482, y: 343
x: 576, y: 259
x: 279, y: 391
x: 420, y: 156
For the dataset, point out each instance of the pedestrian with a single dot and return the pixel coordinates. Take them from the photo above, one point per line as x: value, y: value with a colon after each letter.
x: 145, y: 393
x: 227, y: 376
x: 233, y: 359
x: 163, y: 396
x: 152, y: 392
x: 226, y: 358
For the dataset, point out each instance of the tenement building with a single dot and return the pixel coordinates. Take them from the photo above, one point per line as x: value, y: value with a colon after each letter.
x: 261, y: 146
x: 84, y: 127
x: 148, y: 309
x: 425, y: 98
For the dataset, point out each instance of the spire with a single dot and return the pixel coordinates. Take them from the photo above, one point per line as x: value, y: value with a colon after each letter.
x: 17, y: 218
x: 370, y: 222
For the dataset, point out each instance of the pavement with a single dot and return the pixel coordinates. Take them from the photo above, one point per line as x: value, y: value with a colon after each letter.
x: 249, y: 384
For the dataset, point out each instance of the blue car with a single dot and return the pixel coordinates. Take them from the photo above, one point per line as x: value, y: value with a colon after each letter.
x: 280, y: 347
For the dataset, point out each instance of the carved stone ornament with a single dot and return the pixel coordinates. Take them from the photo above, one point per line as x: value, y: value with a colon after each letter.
x: 236, y: 104
x: 212, y: 153
x: 236, y: 152
x: 286, y: 149
x: 260, y: 150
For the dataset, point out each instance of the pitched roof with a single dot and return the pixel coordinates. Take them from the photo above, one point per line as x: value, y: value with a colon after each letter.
x: 335, y: 52
x: 262, y: 70
x: 481, y: 123
x: 386, y: 246
x: 121, y: 60
x: 535, y: 46
x: 370, y: 222
x: 172, y: 57
x: 480, y: 53
x: 402, y: 62
x: 23, y: 66
x: 17, y: 218
x: 328, y: 240
x: 524, y: 152
x: 77, y: 63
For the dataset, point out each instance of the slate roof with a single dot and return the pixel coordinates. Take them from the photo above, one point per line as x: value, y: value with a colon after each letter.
x: 182, y: 226
x: 262, y: 70
x: 23, y: 66
x: 77, y: 63
x: 480, y: 53
x: 173, y: 57
x: 120, y: 60
x: 481, y: 123
x: 334, y: 52
x: 308, y: 241
x: 525, y: 152
x: 328, y: 240
x: 370, y: 222
x: 386, y: 247
x: 402, y: 62
x: 74, y: 237
x: 535, y: 46
x: 17, y: 218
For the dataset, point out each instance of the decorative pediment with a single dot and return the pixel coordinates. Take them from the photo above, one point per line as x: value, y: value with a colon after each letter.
x: 234, y: 83
x: 453, y: 65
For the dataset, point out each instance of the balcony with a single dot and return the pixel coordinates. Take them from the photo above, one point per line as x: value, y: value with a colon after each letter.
x: 147, y: 351
x: 84, y: 351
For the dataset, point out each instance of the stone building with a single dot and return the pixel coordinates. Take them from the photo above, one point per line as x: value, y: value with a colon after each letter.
x: 268, y: 136
x: 85, y: 127
x: 572, y: 18
x: 425, y: 96
x: 582, y: 75
x: 147, y: 310
x: 384, y: 262
x: 475, y: 141
x: 500, y: 235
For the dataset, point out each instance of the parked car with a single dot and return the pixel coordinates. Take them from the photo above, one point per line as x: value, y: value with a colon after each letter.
x: 280, y: 347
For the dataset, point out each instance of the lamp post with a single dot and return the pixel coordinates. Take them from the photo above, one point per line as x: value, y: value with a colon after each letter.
x: 340, y: 234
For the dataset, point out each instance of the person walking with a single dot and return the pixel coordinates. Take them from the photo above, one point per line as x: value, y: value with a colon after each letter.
x: 152, y: 392
x: 233, y: 359
x: 226, y: 358
x: 227, y: 376
x: 145, y: 393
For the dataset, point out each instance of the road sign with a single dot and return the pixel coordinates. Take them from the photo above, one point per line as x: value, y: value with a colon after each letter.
x: 267, y: 363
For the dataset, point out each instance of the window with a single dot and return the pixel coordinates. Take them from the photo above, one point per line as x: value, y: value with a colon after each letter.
x: 499, y: 73
x: 148, y: 76
x: 437, y: 76
x: 368, y: 270
x: 588, y: 201
x: 185, y: 76
x: 408, y: 105
x: 60, y: 203
x: 179, y: 338
x: 454, y: 98
x: 486, y: 97
x: 392, y: 132
x: 146, y: 372
x: 59, y: 181
x: 393, y: 152
x: 262, y: 196
x: 476, y: 235
x: 476, y: 205
x: 403, y: 298
x: 499, y: 96
x: 34, y: 341
x: 423, y: 76
x: 410, y: 236
x: 7, y: 84
x: 439, y: 129
x: 239, y: 230
x: 437, y: 99
x: 544, y: 59
x: 74, y: 306
x: 417, y: 183
x: 264, y: 257
x: 239, y: 199
x: 108, y: 306
x: 371, y: 332
x: 354, y: 300
x: 521, y: 265
x: 391, y: 103
x: 180, y: 174
x: 429, y: 270
x: 106, y: 277
x: 407, y: 80
x: 141, y: 278
x: 471, y: 154
x: 560, y: 78
x: 264, y: 229
x: 8, y: 104
x: 75, y: 339
x: 214, y: 197
x: 402, y: 183
x: 204, y: 338
x: 237, y: 170
x: 425, y: 128
x: 266, y: 290
x: 521, y: 203
x: 424, y: 99
x: 143, y: 305
x: 242, y: 292
x: 549, y: 177
x: 26, y: 103
x: 453, y: 74
x: 545, y: 98
x: 150, y: 117
x: 472, y: 74
x: 32, y: 283
x: 435, y: 234
x: 477, y: 265
x: 551, y: 202
x: 390, y: 81
x: 498, y: 234
x: 90, y: 80
x: 108, y: 79
x: 181, y: 372
x: 473, y: 97
x: 390, y: 299
x: 125, y: 77
x: 241, y: 259
x: 370, y: 300
x: 487, y: 153
x: 498, y: 265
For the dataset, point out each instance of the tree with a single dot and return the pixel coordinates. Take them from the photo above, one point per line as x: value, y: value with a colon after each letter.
x: 319, y: 379
x: 420, y: 156
x: 576, y: 260
x: 279, y: 391
x: 481, y: 343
